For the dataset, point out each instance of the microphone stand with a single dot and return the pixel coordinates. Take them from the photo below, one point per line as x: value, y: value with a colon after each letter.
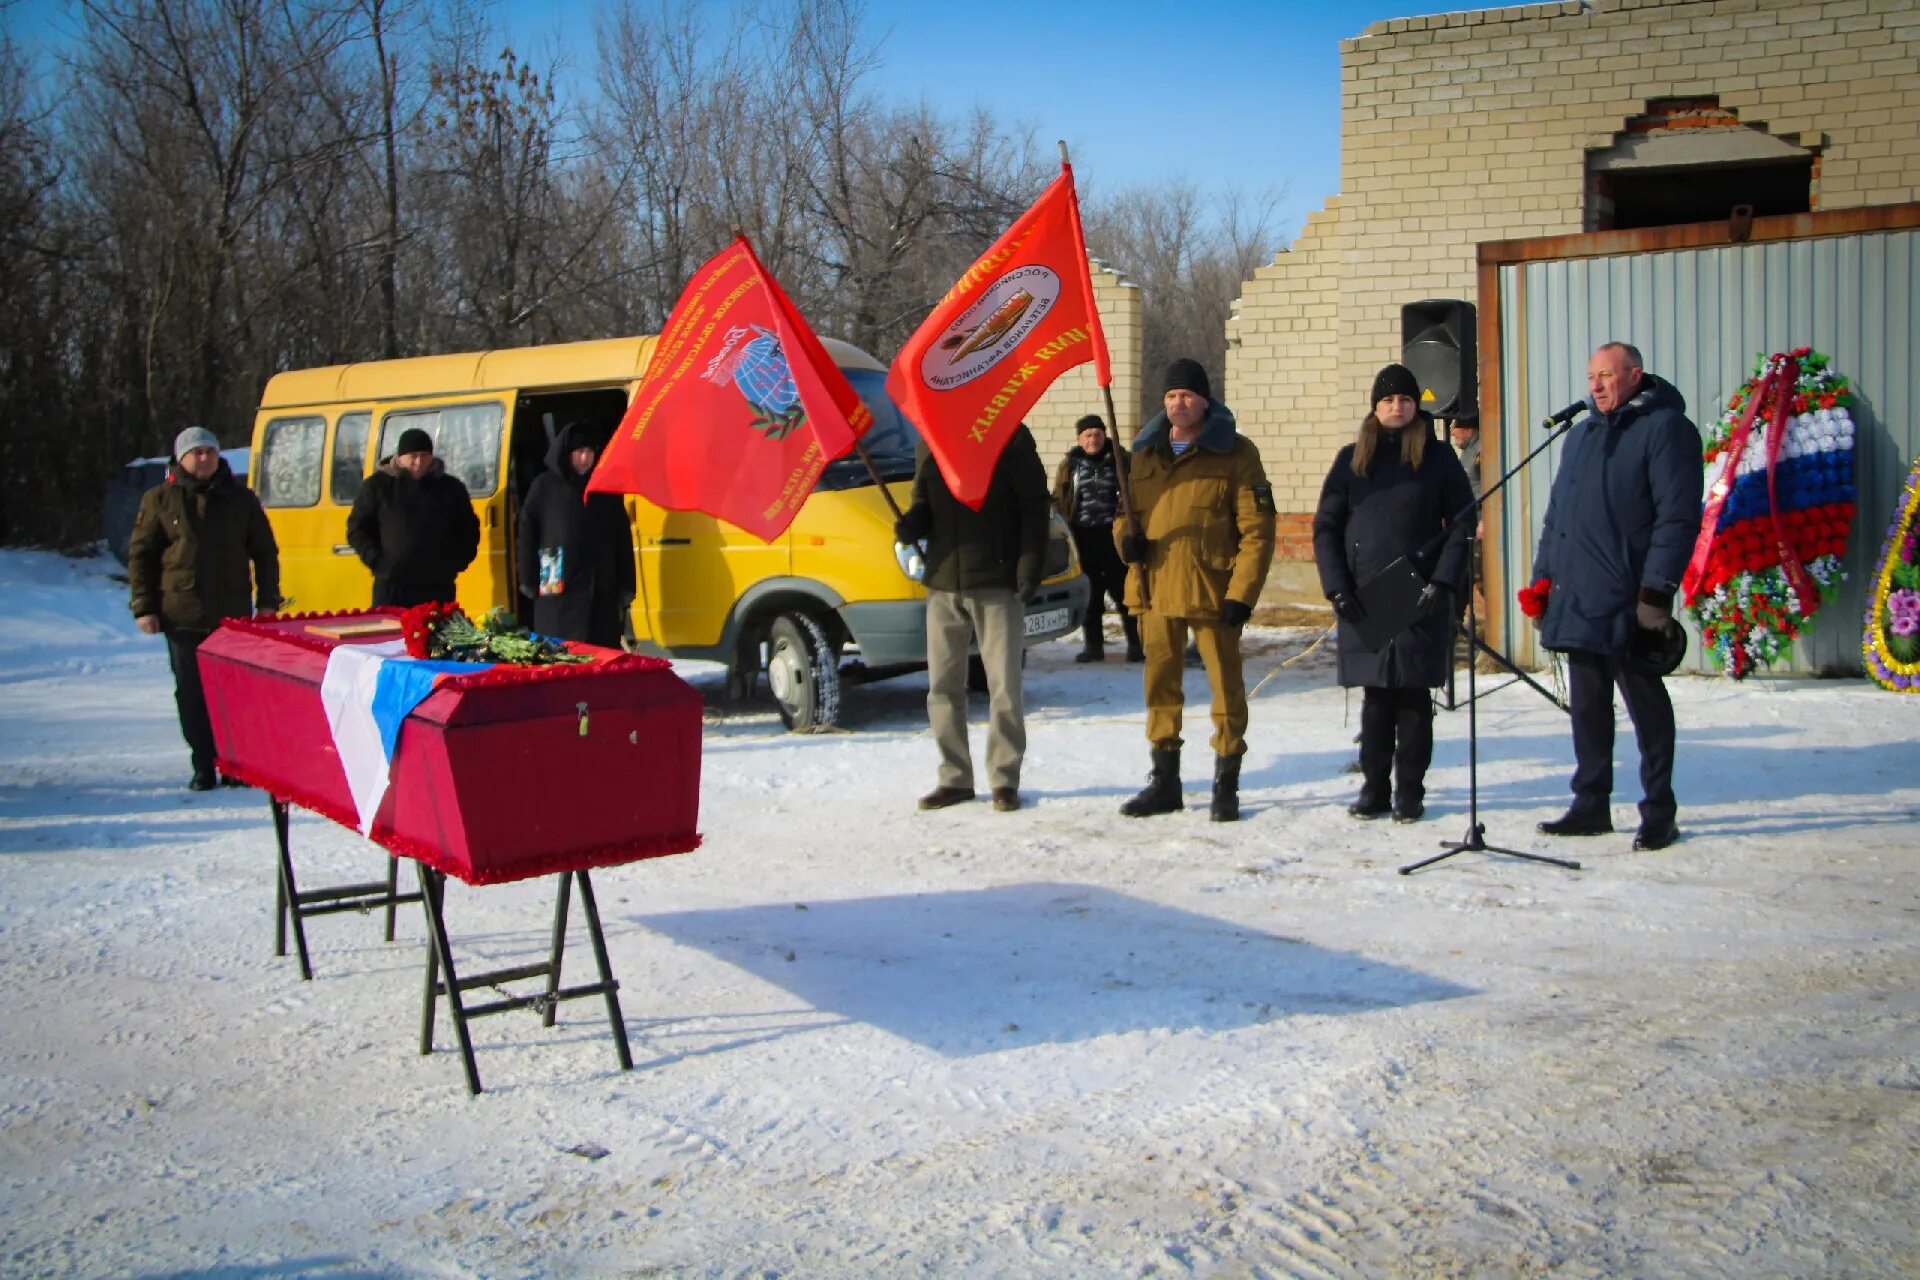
x: 1475, y: 644
x: 1475, y: 840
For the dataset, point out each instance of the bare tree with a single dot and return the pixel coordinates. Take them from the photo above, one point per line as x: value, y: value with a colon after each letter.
x: 1190, y: 257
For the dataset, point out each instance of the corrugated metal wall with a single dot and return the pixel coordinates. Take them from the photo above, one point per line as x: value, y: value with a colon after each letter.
x: 1700, y: 317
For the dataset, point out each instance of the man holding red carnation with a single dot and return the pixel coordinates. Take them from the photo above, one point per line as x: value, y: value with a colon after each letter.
x: 1619, y: 529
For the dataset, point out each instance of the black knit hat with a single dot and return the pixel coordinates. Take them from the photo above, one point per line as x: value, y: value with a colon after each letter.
x: 413, y: 440
x: 1091, y: 422
x: 1394, y: 380
x: 1187, y: 375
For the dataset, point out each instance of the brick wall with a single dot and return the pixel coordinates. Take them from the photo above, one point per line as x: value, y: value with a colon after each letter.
x: 1465, y: 127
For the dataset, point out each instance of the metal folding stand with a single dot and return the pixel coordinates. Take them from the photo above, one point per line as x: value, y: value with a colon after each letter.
x: 433, y: 892
x: 296, y: 904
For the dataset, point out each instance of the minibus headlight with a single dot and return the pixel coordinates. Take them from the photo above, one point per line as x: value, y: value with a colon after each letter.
x: 912, y: 561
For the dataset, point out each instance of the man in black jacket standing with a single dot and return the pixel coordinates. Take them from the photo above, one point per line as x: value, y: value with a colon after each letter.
x: 982, y: 568
x: 201, y: 550
x: 1620, y: 525
x: 413, y: 525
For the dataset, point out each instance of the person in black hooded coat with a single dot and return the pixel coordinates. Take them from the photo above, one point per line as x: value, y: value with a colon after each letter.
x: 1394, y: 492
x: 575, y: 549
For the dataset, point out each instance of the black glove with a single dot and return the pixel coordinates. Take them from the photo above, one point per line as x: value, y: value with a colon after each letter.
x: 1655, y: 609
x: 1427, y: 601
x: 1133, y: 548
x: 1026, y: 589
x: 902, y: 531
x: 1345, y: 606
x: 1234, y: 614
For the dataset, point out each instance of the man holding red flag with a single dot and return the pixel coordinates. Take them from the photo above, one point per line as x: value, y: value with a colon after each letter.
x: 1020, y: 317
x: 741, y: 408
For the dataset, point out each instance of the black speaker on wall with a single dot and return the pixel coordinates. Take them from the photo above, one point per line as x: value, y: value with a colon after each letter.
x: 1437, y: 343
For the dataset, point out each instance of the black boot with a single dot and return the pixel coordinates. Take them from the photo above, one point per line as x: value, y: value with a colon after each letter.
x: 1131, y: 626
x: 1093, y: 641
x: 1226, y: 789
x: 1376, y: 756
x: 1412, y: 753
x: 1162, y: 794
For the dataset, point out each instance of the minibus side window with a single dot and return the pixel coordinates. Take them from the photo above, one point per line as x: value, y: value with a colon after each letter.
x: 350, y: 455
x: 466, y: 438
x: 288, y: 468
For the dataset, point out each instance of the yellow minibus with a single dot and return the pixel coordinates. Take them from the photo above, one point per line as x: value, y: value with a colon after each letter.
x: 834, y: 596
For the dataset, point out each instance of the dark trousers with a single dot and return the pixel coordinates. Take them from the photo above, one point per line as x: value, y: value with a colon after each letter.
x: 1396, y: 742
x: 1591, y: 680
x: 1107, y: 576
x: 183, y: 654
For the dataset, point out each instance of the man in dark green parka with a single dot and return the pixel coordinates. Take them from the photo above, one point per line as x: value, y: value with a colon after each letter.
x: 201, y: 551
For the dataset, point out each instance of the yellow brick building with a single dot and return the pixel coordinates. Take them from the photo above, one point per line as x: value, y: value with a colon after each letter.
x: 1548, y: 119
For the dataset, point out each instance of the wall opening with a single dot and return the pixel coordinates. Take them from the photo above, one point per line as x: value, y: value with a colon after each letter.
x: 1687, y: 160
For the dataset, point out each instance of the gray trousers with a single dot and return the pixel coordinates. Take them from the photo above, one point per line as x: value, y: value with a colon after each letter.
x: 997, y: 620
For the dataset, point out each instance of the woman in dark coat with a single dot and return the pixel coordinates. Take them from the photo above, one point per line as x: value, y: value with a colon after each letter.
x: 576, y: 551
x: 1394, y: 492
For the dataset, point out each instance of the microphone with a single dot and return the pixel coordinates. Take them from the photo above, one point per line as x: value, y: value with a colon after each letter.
x: 1567, y: 414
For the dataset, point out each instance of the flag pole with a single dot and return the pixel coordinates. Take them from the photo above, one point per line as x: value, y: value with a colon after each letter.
x: 1121, y: 484
x: 878, y: 483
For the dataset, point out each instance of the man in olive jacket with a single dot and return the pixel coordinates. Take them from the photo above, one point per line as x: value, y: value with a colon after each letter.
x: 1200, y: 543
x: 413, y: 524
x: 982, y: 568
x: 201, y: 551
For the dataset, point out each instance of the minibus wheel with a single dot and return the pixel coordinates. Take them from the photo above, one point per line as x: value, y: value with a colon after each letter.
x: 802, y: 673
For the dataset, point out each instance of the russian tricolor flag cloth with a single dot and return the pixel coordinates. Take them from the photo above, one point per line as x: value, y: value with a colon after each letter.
x: 367, y: 691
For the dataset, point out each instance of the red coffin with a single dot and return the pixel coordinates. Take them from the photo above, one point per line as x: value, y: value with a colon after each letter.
x: 499, y: 775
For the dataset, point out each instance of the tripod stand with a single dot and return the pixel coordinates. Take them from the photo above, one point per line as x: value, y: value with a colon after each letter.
x: 1475, y: 840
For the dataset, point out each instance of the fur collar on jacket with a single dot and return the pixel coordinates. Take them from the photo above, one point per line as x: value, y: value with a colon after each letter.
x: 1217, y: 433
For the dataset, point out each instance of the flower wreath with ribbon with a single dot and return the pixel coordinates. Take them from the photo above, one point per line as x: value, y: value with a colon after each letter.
x: 1890, y: 638
x: 1779, y: 508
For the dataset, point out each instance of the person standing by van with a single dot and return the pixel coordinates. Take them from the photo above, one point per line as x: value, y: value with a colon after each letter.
x: 201, y: 550
x: 982, y: 568
x: 575, y: 549
x: 1086, y: 493
x: 413, y: 525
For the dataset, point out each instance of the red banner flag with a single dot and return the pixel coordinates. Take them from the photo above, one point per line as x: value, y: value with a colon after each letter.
x: 741, y: 407
x: 1019, y: 318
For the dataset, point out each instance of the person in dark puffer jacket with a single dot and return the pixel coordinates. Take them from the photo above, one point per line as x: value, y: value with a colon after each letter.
x: 1086, y: 493
x: 575, y: 549
x: 413, y: 525
x: 1395, y: 491
x: 201, y: 550
x: 1620, y: 526
x: 982, y: 568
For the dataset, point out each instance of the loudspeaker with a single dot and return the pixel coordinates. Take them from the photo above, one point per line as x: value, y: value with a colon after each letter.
x: 1437, y: 343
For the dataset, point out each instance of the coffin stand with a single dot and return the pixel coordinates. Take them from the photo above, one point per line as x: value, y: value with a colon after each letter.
x: 497, y: 776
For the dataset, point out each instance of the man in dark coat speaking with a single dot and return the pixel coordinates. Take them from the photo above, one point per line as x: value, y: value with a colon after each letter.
x: 1620, y: 525
x: 413, y: 525
x: 575, y: 549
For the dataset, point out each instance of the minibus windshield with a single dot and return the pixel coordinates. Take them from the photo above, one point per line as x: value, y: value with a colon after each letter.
x: 890, y: 441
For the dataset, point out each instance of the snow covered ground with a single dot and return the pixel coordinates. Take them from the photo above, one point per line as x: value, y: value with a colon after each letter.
x: 874, y: 1042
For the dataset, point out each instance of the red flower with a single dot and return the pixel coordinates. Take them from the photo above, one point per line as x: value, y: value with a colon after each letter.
x: 1533, y: 599
x: 418, y: 625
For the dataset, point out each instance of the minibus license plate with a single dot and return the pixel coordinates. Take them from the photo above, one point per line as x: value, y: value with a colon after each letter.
x: 1046, y: 620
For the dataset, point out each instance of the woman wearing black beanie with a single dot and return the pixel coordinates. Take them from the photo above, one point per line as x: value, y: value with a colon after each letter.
x: 1394, y: 492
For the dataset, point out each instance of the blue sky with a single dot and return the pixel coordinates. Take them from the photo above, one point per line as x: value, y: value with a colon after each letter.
x: 1220, y: 92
